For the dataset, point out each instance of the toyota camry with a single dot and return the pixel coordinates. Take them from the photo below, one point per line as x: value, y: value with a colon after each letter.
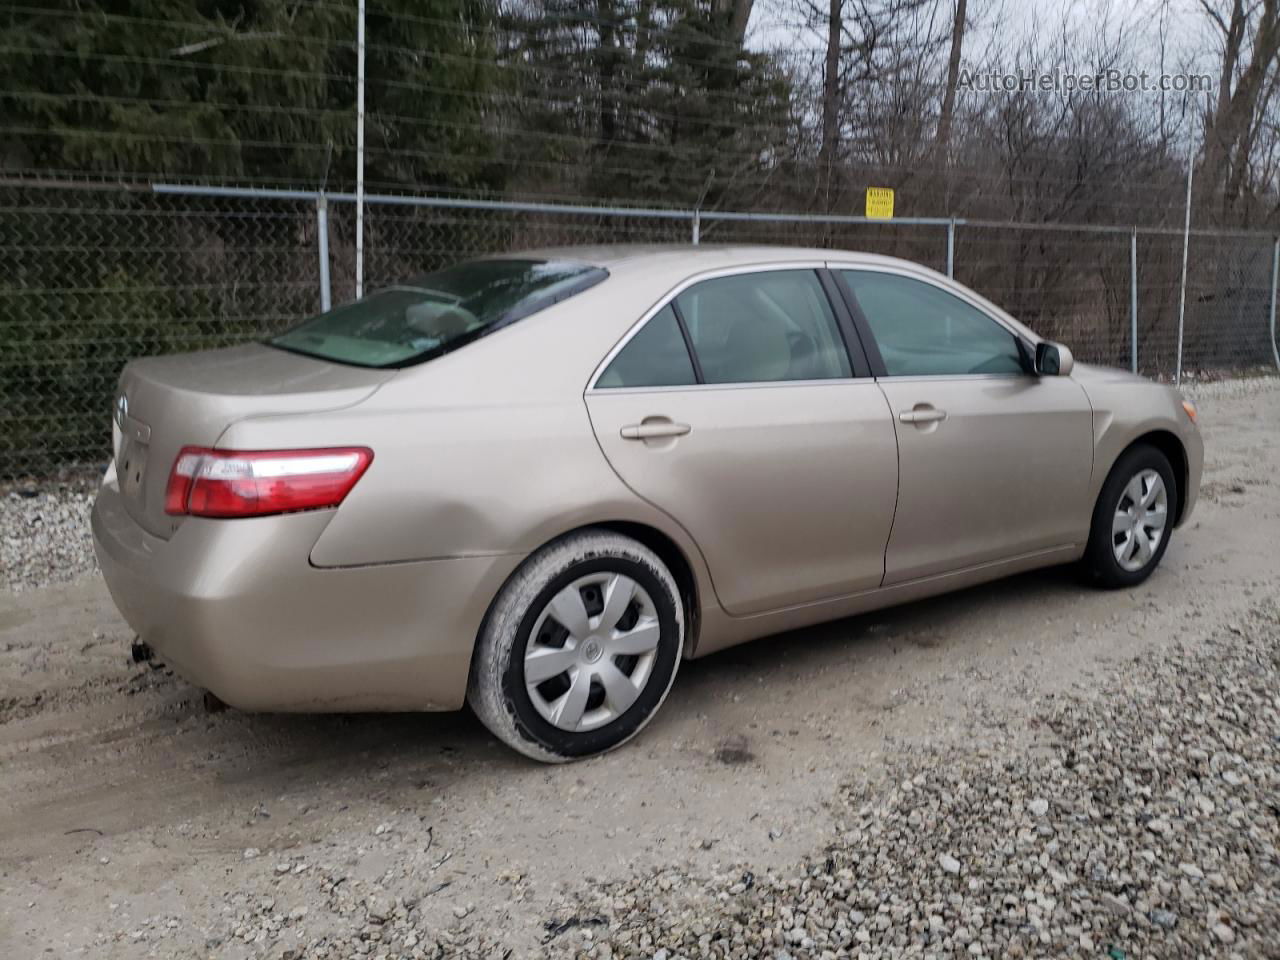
x: 537, y: 482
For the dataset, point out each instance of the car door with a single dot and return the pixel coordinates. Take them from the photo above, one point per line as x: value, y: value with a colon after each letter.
x: 737, y: 408
x: 993, y: 462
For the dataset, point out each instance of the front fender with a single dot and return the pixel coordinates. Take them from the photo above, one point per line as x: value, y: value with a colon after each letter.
x: 1127, y: 409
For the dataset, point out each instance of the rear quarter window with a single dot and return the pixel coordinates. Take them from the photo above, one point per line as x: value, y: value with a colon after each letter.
x: 654, y: 357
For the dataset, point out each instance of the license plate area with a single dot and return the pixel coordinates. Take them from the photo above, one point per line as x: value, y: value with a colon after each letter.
x: 131, y: 466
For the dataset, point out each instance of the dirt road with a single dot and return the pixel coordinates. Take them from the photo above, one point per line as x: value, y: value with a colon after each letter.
x: 133, y: 823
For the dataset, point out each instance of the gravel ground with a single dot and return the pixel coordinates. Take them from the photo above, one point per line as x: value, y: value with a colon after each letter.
x: 1142, y: 821
x: 1139, y: 820
x: 1198, y: 390
x: 44, y: 534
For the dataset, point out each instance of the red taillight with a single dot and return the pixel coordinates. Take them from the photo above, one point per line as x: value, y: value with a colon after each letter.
x: 240, y: 483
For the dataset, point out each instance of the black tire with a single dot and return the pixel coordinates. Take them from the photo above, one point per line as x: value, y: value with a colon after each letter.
x: 497, y: 691
x: 1100, y: 563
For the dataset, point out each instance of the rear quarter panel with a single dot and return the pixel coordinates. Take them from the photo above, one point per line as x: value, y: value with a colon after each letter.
x: 486, y: 451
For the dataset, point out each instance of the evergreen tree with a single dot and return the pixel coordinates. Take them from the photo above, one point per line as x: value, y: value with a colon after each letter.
x: 262, y: 90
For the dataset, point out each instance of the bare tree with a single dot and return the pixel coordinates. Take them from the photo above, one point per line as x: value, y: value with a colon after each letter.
x: 735, y: 15
x: 831, y: 93
x: 945, y: 115
x: 876, y: 54
x: 1250, y: 38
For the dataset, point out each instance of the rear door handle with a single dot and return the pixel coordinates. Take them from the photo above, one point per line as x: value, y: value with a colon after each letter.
x: 922, y: 415
x: 650, y: 430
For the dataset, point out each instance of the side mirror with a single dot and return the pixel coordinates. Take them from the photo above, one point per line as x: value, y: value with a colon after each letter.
x: 1053, y: 359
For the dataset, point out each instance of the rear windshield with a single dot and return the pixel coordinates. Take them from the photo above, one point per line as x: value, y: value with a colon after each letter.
x: 437, y: 312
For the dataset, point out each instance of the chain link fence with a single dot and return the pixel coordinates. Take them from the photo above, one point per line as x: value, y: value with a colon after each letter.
x: 91, y: 277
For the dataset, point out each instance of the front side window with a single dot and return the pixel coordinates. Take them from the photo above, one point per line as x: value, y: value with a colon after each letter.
x: 654, y: 357
x: 922, y: 330
x: 761, y: 327
x: 412, y: 322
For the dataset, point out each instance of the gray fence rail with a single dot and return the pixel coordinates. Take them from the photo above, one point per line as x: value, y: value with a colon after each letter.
x: 92, y: 276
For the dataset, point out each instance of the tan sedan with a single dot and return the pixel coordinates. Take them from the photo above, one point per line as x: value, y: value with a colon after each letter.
x: 536, y: 482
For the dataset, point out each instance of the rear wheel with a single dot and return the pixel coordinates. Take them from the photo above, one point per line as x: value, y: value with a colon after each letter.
x: 1133, y: 519
x: 580, y: 647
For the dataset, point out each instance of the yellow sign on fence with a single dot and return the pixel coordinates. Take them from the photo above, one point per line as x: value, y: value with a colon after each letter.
x: 879, y: 203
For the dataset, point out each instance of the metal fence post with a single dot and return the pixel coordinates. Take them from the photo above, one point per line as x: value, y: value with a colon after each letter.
x: 322, y: 245
x: 697, y: 226
x: 1133, y: 300
x: 1275, y: 272
x: 1182, y: 289
x: 951, y: 249
x: 360, y: 57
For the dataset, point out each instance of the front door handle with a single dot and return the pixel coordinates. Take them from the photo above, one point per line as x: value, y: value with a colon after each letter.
x: 652, y: 429
x: 922, y: 414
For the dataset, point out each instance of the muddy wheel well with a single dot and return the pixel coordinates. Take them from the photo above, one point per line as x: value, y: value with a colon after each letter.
x: 670, y: 554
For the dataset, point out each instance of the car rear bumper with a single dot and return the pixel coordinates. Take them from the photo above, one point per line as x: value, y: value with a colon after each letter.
x: 235, y: 606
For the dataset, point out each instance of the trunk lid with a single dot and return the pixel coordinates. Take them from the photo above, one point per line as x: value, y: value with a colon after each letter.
x: 166, y: 403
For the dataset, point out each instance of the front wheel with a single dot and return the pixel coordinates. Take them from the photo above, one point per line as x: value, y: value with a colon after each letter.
x: 1133, y: 519
x: 579, y: 649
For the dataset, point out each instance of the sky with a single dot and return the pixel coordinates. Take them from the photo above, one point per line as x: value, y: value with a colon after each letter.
x: 1006, y: 24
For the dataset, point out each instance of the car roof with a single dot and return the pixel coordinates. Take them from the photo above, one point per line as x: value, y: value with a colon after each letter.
x: 670, y: 263
x: 686, y: 258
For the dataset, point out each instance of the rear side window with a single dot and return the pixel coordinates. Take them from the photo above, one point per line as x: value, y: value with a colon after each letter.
x: 762, y: 327
x: 654, y: 357
x: 922, y: 330
x: 438, y: 312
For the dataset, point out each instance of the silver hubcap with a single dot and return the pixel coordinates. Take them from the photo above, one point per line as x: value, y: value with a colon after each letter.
x: 1139, y: 520
x: 591, y: 652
